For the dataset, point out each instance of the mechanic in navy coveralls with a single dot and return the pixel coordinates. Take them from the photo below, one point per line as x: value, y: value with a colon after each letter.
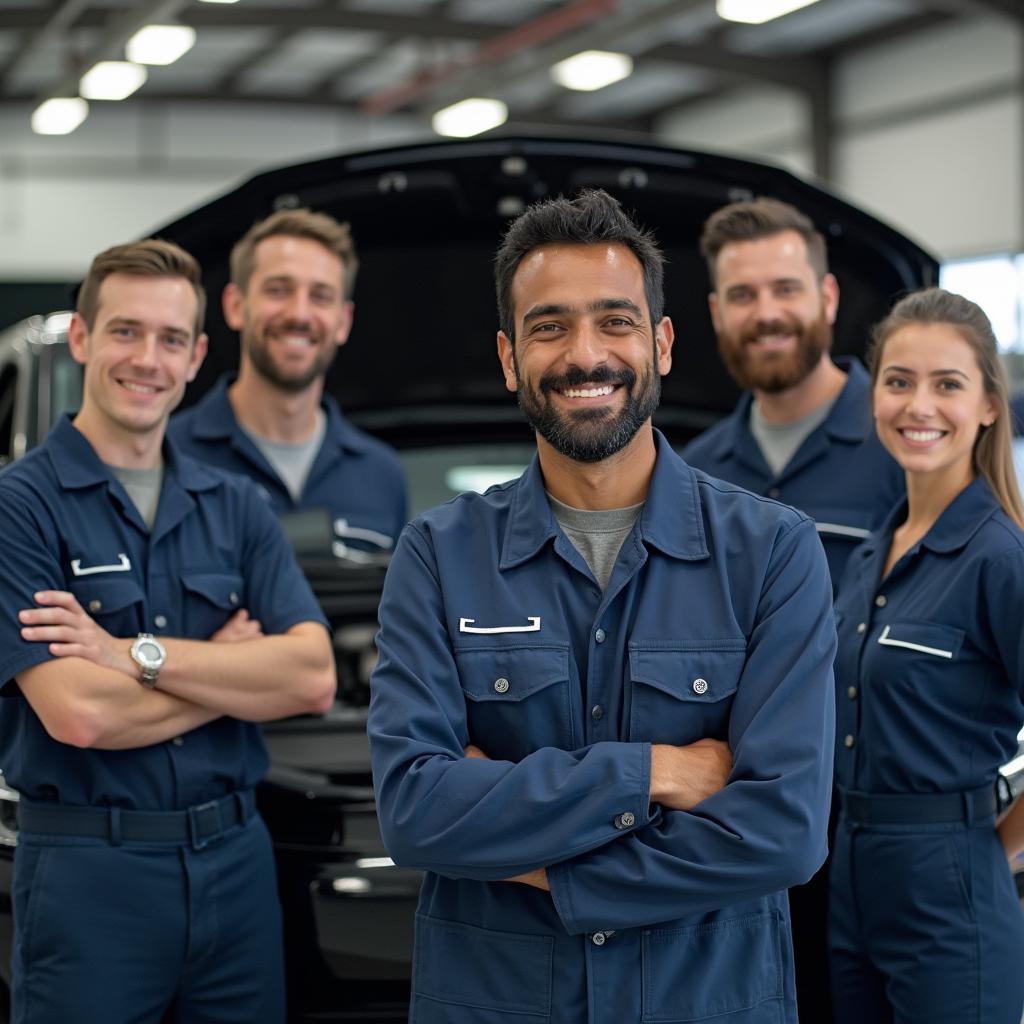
x: 152, y: 614
x: 566, y: 663
x: 925, y: 924
x: 802, y: 431
x: 290, y: 297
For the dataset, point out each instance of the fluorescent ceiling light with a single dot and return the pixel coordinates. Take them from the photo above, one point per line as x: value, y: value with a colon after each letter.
x: 111, y: 80
x: 160, y: 44
x: 592, y: 70
x: 469, y: 117
x: 59, y: 116
x: 757, y: 12
x: 219, y: 1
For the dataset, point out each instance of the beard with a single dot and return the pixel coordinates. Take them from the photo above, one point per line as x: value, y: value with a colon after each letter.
x: 258, y: 350
x: 780, y: 371
x: 589, y: 435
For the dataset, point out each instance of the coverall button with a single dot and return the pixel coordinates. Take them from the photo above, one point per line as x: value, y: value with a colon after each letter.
x: 600, y: 635
x: 178, y: 741
x: 95, y: 606
x: 501, y: 685
x: 625, y: 820
x: 598, y: 938
x: 848, y: 742
x: 700, y: 686
x: 880, y: 601
x: 851, y: 692
x: 861, y: 627
x: 159, y: 621
x: 233, y: 597
x: 597, y: 712
x: 774, y: 492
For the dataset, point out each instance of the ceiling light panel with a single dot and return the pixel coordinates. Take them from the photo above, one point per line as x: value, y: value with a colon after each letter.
x: 111, y: 80
x: 59, y: 116
x: 757, y: 12
x: 469, y: 117
x: 160, y: 45
x: 592, y: 70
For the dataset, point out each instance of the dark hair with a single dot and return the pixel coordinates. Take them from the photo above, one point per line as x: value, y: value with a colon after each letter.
x: 760, y: 218
x: 333, y: 235
x: 152, y: 257
x: 592, y: 218
x: 993, y: 457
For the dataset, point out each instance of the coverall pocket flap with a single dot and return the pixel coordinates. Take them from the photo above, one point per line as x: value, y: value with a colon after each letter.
x: 705, y: 674
x: 719, y: 969
x: 932, y: 638
x: 98, y: 595
x: 510, y: 673
x: 223, y: 589
x: 470, y: 967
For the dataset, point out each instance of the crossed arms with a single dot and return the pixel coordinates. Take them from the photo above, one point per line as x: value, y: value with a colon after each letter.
x: 89, y: 695
x: 564, y: 811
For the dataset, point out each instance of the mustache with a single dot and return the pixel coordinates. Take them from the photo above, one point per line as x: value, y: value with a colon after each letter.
x: 574, y: 377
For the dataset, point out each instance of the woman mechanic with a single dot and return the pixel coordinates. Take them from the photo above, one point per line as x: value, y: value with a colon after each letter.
x: 924, y: 920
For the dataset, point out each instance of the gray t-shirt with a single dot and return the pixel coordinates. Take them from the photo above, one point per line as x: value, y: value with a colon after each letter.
x: 143, y: 487
x: 292, y: 462
x: 596, y: 534
x: 779, y: 442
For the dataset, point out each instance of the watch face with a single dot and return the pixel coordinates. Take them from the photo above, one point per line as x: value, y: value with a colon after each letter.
x: 148, y: 652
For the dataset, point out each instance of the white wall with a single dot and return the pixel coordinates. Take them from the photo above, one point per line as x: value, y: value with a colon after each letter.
x: 125, y: 171
x: 929, y: 134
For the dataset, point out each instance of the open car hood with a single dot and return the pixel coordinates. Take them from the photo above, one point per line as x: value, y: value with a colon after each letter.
x: 421, y: 365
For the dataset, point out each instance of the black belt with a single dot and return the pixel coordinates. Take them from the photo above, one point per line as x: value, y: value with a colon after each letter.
x: 918, y: 808
x: 195, y: 826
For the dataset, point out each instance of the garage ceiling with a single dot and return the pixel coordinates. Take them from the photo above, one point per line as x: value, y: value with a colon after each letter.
x: 378, y: 57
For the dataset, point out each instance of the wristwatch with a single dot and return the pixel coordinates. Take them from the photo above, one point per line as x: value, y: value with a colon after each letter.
x: 149, y: 654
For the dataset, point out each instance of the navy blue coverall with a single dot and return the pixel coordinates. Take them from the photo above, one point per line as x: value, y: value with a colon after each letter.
x: 925, y: 924
x: 118, y: 929
x: 355, y: 477
x: 716, y: 622
x: 841, y: 476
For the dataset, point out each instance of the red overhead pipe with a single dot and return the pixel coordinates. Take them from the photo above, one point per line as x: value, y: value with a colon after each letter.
x: 549, y: 26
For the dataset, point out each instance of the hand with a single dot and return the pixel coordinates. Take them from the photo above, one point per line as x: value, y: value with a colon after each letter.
x: 681, y: 777
x: 61, y: 622
x: 538, y: 879
x: 238, y: 628
x: 476, y: 752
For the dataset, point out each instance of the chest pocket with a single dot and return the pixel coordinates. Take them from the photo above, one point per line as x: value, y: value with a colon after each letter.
x: 918, y: 659
x: 117, y: 603
x: 517, y: 698
x: 682, y: 693
x: 210, y: 599
x: 926, y: 638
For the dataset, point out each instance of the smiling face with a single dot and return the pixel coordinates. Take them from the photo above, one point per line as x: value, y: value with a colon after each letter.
x: 586, y: 362
x: 138, y: 355
x: 772, y: 315
x: 930, y: 402
x: 293, y: 314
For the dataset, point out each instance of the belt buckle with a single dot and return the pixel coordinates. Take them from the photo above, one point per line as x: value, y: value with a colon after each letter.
x: 194, y: 825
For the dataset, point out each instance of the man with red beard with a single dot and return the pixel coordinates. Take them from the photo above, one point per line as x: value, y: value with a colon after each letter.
x: 290, y: 297
x: 802, y: 433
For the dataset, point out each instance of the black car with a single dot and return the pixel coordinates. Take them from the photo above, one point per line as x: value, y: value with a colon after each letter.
x: 421, y: 372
